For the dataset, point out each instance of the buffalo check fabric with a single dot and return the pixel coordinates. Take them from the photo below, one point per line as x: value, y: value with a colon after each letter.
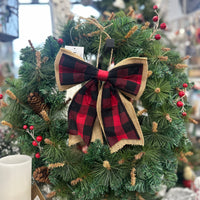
x: 101, y: 96
x: 116, y: 121
x: 82, y: 111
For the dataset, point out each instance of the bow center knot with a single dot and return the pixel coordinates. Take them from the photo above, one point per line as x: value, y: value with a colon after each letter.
x: 102, y: 75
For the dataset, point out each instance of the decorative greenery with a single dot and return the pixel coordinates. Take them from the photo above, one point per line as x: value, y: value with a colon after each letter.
x: 99, y: 174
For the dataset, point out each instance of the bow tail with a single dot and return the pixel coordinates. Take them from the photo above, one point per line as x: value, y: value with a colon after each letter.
x: 82, y: 115
x: 118, y: 119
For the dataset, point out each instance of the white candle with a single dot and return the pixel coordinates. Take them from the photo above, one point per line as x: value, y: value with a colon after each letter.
x: 15, y: 177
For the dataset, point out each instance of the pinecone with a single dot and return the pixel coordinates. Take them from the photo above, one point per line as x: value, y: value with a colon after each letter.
x: 37, y: 103
x: 41, y: 174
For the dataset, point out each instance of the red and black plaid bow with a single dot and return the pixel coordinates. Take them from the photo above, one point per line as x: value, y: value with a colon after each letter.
x: 115, y: 113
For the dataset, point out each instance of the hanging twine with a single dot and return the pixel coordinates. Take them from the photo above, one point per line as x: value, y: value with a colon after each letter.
x: 102, y: 30
x: 186, y: 57
x: 163, y: 58
x: 154, y: 127
x: 120, y: 162
x: 76, y: 181
x: 193, y: 121
x: 139, y: 155
x: 12, y: 96
x: 181, y: 66
x: 133, y: 178
x: 168, y: 118
x: 38, y: 59
x: 55, y: 165
x: 48, y: 141
x: 106, y: 164
x: 45, y: 115
x: 131, y: 32
x: 111, y: 55
x: 149, y: 73
x: 166, y: 49
x: 157, y: 90
x: 51, y: 195
x: 99, y: 49
x: 97, y: 24
x: 140, y: 112
x: 146, y: 25
x: 106, y: 38
x: 5, y: 123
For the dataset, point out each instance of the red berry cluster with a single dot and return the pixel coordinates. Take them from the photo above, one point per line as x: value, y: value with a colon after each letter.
x: 36, y: 140
x: 156, y: 19
x: 180, y: 103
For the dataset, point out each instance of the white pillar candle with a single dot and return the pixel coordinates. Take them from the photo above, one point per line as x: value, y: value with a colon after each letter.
x: 15, y: 177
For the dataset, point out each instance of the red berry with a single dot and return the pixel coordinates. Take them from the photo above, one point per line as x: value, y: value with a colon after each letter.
x: 60, y: 41
x: 31, y: 127
x: 37, y: 155
x: 181, y: 94
x: 157, y: 37
x: 34, y: 143
x: 25, y: 127
x: 1, y: 96
x: 179, y: 104
x: 163, y: 26
x: 155, y: 7
x: 184, y: 114
x: 39, y: 138
x: 155, y: 18
x: 185, y: 85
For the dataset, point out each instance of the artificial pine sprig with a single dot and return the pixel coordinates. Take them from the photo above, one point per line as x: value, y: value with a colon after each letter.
x: 157, y: 91
x: 165, y: 114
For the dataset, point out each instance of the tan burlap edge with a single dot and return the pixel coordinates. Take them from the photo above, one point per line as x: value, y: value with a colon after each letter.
x: 97, y: 133
x: 131, y: 112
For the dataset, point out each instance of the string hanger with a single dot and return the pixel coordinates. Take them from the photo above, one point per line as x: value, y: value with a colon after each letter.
x: 101, y: 31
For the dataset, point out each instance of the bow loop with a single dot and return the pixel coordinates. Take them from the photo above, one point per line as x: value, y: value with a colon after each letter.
x: 130, y: 76
x: 71, y: 70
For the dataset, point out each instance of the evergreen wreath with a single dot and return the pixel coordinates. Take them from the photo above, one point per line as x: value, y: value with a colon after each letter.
x: 92, y: 172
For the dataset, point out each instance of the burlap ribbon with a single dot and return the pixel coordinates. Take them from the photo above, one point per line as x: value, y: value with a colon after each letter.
x: 93, y: 110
